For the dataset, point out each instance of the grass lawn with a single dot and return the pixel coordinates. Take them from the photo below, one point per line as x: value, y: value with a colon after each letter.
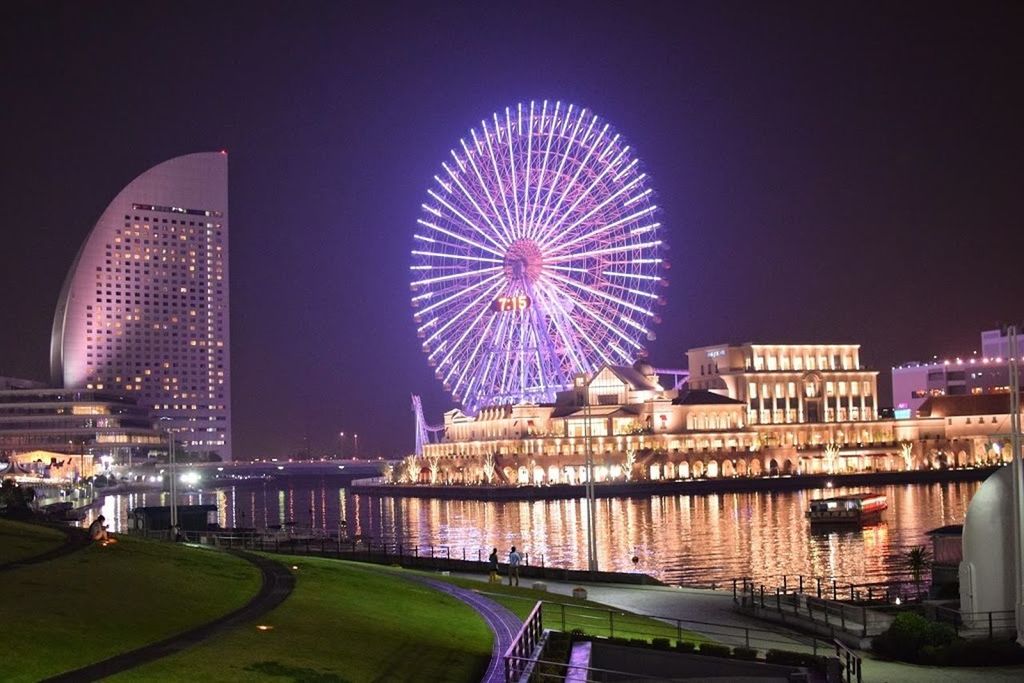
x: 101, y: 601
x: 345, y: 621
x: 19, y: 541
x: 565, y: 613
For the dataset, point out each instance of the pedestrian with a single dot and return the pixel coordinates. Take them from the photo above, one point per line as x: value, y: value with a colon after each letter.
x: 493, y: 560
x: 514, y: 558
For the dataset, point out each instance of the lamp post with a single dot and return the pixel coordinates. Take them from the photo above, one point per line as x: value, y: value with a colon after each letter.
x: 341, y: 437
x: 355, y: 455
x: 173, y: 488
x: 591, y: 526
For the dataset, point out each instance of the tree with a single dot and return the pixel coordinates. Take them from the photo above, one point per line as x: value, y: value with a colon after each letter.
x: 907, y: 451
x: 917, y: 561
x: 412, y: 469
x: 627, y: 468
x: 489, y: 467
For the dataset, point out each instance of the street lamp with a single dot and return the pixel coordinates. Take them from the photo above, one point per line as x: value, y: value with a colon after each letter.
x: 341, y: 436
x: 173, y: 489
x: 356, y: 454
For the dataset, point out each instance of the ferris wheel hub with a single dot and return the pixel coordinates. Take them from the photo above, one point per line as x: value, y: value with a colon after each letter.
x: 523, y: 261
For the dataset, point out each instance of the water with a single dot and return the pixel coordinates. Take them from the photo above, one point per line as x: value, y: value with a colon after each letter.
x: 686, y: 539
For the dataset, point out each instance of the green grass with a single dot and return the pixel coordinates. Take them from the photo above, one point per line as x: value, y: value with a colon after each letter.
x: 345, y: 621
x: 101, y: 601
x: 19, y: 541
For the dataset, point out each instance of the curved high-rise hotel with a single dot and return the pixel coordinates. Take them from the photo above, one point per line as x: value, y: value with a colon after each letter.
x: 144, y: 308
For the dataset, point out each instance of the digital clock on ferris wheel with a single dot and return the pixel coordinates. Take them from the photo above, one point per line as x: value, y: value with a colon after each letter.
x: 511, y: 304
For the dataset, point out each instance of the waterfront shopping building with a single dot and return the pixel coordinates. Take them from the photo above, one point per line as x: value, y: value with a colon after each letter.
x: 747, y: 409
x: 914, y: 383
x: 144, y: 311
x: 39, y: 424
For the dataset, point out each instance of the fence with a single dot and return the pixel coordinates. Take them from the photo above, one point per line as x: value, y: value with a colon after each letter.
x: 850, y: 662
x: 525, y: 655
x: 894, y: 592
x: 978, y: 624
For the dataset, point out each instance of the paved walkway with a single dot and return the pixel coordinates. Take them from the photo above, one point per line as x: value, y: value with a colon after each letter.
x: 695, y: 604
x: 278, y: 583
x: 74, y: 539
x: 503, y: 623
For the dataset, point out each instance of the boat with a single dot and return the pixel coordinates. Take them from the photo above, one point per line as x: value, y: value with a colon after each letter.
x: 854, y: 508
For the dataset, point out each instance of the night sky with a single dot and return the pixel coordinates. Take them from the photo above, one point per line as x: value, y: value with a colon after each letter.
x: 844, y: 172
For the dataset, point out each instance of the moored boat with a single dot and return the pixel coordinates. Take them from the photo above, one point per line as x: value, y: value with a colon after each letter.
x: 854, y: 508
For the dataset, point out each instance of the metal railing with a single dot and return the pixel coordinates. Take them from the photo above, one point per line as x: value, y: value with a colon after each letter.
x: 850, y: 661
x: 612, y: 623
x: 832, y: 615
x: 977, y: 624
x: 522, y: 653
x: 895, y: 591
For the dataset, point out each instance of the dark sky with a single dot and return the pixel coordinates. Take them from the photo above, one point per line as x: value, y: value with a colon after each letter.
x: 843, y: 171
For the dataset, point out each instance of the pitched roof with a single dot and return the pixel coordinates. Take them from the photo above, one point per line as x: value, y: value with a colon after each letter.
x: 694, y: 397
x: 632, y: 377
x: 971, y: 404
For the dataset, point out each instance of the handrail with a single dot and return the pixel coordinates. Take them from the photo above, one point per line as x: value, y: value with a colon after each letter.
x: 520, y: 653
x: 851, y: 662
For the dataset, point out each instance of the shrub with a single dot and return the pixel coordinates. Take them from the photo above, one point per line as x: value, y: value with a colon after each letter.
x: 907, y: 636
x: 686, y: 646
x: 618, y: 641
x: 661, y: 643
x: 975, y: 653
x: 744, y: 653
x: 715, y: 650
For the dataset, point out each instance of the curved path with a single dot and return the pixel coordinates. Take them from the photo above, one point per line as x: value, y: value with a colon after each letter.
x: 503, y: 623
x: 278, y: 583
x: 75, y: 539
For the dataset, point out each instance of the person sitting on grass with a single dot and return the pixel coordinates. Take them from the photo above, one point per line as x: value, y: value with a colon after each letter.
x: 98, y: 531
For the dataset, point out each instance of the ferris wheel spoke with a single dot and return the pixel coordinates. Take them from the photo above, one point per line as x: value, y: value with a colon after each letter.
x: 471, y: 359
x: 496, y: 237
x: 457, y: 236
x: 458, y: 342
x: 556, y: 309
x: 532, y: 220
x: 583, y: 305
x: 484, y: 185
x: 571, y: 184
x: 510, y: 224
x: 565, y: 154
x: 607, y: 227
x: 575, y: 284
x: 459, y: 293
x: 458, y: 316
x: 552, y: 232
x: 551, y: 224
x: 601, y: 205
x: 602, y: 252
x: 517, y: 226
x: 524, y: 224
x: 454, y: 276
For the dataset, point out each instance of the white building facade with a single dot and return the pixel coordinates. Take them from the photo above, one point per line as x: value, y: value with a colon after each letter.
x: 144, y: 310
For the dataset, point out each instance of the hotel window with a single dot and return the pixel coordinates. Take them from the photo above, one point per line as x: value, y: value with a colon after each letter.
x: 829, y: 389
x: 866, y: 388
x: 779, y: 390
x: 798, y: 362
x: 810, y: 363
x: 758, y: 363
x: 772, y: 365
x: 848, y: 363
x: 791, y: 387
x: 823, y: 362
x: 854, y: 388
x: 765, y: 392
x: 752, y: 388
x: 842, y: 388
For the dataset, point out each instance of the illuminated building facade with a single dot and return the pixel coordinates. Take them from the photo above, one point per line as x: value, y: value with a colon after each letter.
x: 144, y: 310
x: 914, y: 383
x: 75, y: 422
x: 814, y: 411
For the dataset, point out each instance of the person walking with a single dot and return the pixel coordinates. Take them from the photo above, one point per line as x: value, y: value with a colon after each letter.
x: 493, y: 560
x: 514, y: 558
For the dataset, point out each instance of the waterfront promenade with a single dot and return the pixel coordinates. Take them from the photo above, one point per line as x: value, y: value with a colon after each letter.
x: 699, y: 605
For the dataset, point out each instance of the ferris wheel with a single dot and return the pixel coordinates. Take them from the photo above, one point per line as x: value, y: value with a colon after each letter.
x: 537, y: 256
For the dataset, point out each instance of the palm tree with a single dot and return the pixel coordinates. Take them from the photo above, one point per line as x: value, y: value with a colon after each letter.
x: 918, y: 560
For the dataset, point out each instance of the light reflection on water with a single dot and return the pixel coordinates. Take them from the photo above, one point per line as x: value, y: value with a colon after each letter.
x: 690, y: 539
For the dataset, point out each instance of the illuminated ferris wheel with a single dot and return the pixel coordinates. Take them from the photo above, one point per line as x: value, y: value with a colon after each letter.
x: 537, y: 256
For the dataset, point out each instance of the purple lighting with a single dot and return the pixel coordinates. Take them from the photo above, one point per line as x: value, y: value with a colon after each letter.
x: 545, y: 206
